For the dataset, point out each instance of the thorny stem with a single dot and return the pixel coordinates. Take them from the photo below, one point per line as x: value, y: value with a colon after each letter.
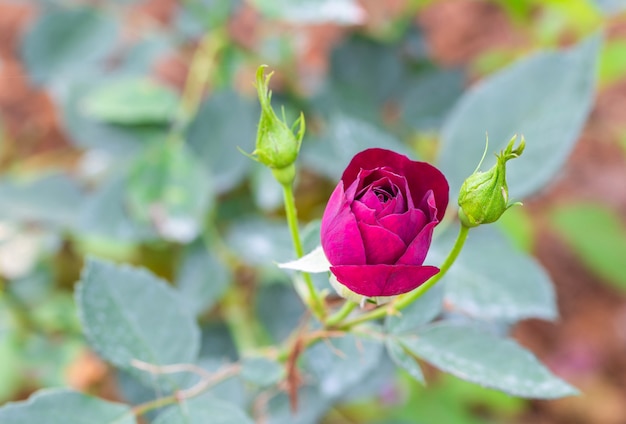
x: 206, y: 380
x: 313, y: 300
x: 405, y: 300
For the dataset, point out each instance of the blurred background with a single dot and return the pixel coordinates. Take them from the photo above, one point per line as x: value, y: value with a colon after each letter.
x: 86, y: 87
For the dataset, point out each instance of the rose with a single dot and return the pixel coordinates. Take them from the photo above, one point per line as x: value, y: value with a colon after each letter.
x: 378, y: 223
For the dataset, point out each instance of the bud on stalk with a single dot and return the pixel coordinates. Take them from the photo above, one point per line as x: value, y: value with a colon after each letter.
x: 484, y: 196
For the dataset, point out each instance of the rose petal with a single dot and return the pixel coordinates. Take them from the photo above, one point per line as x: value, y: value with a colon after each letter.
x: 382, y: 280
x: 428, y: 204
x: 381, y: 245
x: 420, y: 176
x: 371, y: 200
x: 362, y: 213
x: 417, y: 250
x: 406, y: 225
x: 340, y: 236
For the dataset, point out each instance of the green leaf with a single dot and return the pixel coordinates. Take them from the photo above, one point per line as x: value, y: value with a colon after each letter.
x: 169, y: 188
x: 345, y: 137
x: 203, y: 410
x: 311, y: 407
x: 267, y: 192
x: 64, y: 41
x: 202, y: 278
x: 598, y: 236
x: 404, y: 360
x: 492, y: 280
x: 119, y: 141
x: 429, y: 97
x: 342, y: 363
x: 613, y: 61
x: 224, y: 122
x: 347, y: 12
x: 418, y: 313
x: 129, y: 314
x: 262, y: 371
x: 546, y: 97
x: 260, y: 242
x: 131, y: 101
x: 313, y: 262
x: 279, y: 308
x: 51, y: 199
x: 105, y: 216
x: 477, y: 356
x: 61, y: 406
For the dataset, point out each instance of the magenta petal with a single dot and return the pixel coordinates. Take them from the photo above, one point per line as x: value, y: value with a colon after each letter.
x: 371, y: 200
x: 340, y: 236
x: 362, y: 213
x: 428, y: 204
x: 417, y: 250
x: 382, y: 280
x: 406, y: 225
x: 381, y: 245
x: 420, y: 176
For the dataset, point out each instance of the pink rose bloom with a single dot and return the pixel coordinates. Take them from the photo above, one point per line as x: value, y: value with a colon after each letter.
x: 378, y: 223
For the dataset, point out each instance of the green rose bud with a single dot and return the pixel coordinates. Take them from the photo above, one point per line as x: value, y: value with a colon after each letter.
x: 277, y: 145
x: 484, y: 196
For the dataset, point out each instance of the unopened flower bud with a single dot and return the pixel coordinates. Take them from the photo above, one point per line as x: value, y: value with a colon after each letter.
x: 277, y: 145
x: 484, y: 196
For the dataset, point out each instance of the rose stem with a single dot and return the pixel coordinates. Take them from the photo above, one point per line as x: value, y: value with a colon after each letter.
x: 292, y: 220
x: 405, y: 300
x: 341, y: 314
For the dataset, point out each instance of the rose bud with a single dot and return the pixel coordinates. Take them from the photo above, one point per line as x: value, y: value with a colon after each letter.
x: 484, y: 196
x: 277, y: 146
x: 378, y: 224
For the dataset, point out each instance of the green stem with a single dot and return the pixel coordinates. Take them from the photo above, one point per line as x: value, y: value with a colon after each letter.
x: 341, y: 314
x: 405, y: 300
x: 313, y: 300
x: 200, y: 73
x: 244, y: 329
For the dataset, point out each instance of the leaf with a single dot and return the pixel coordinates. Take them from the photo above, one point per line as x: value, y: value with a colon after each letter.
x: 202, y: 410
x: 61, y: 406
x: 598, y: 236
x: 224, y: 122
x: 426, y: 101
x: 267, y: 192
x: 474, y: 355
x: 547, y: 97
x: 311, y: 408
x: 340, y: 364
x: 401, y: 358
x: 418, y: 313
x: 493, y: 281
x: 346, y: 12
x: 279, y: 309
x: 122, y: 142
x: 129, y: 314
x: 313, y: 262
x: 169, y: 188
x: 64, y: 41
x: 202, y: 278
x: 131, y: 101
x: 262, y: 371
x: 345, y: 137
x: 105, y: 216
x: 260, y: 242
x: 51, y: 199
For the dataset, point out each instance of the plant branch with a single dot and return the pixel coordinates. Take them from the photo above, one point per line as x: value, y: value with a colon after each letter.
x: 313, y: 300
x: 207, y: 380
x: 405, y: 300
